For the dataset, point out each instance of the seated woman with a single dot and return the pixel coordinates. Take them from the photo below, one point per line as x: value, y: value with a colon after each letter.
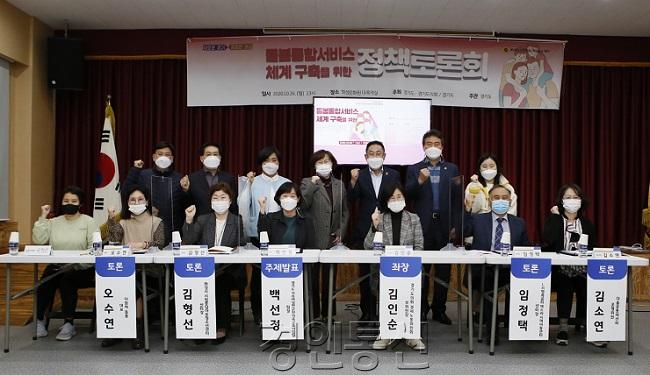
x: 399, y: 227
x: 219, y: 228
x: 289, y: 226
x: 139, y: 229
x: 562, y: 232
x: 69, y: 231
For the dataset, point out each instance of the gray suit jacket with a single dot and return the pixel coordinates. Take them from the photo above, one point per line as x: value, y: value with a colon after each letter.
x: 328, y: 218
x: 410, y: 234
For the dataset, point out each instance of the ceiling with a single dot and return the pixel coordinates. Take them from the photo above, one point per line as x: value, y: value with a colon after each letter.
x: 576, y: 17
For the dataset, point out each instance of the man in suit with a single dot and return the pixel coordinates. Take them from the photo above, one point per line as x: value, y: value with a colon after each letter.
x: 198, y: 184
x: 167, y: 195
x: 365, y: 187
x: 487, y: 231
x: 428, y: 184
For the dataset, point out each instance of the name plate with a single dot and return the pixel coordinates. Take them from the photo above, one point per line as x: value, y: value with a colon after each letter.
x: 526, y: 251
x: 193, y: 250
x: 399, y: 251
x: 606, y: 252
x: 282, y: 251
x: 116, y: 251
x: 38, y: 250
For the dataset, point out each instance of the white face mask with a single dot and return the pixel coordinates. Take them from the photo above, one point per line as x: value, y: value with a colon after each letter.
x: 220, y: 207
x: 397, y: 206
x: 433, y: 153
x: 288, y: 204
x: 212, y: 162
x: 375, y: 163
x: 489, y: 174
x: 324, y: 170
x: 163, y: 162
x: 137, y: 209
x: 572, y: 205
x: 270, y: 168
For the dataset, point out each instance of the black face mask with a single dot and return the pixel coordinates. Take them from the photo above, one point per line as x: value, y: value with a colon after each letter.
x: 70, y: 209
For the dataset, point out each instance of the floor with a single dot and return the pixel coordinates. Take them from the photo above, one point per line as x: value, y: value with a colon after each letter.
x: 245, y: 355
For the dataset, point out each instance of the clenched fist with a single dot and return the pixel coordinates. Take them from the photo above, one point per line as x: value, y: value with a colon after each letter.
x: 189, y: 214
x: 185, y: 183
x: 262, y: 202
x: 45, y: 210
x: 376, y: 216
x: 424, y: 175
x: 354, y: 176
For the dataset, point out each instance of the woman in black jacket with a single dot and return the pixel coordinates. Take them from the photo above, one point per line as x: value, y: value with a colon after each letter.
x: 219, y: 228
x: 562, y: 232
x: 289, y: 225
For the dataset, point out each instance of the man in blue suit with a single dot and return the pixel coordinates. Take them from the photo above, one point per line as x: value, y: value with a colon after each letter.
x: 433, y: 186
x: 487, y: 231
x: 365, y: 187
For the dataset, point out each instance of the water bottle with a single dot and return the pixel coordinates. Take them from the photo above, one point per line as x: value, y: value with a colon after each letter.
x: 176, y: 242
x: 582, y: 245
x: 505, y: 244
x: 378, y: 243
x: 14, y: 243
x: 97, y: 244
x: 264, y: 243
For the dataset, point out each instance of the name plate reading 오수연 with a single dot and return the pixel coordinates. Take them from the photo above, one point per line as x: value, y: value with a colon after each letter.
x: 38, y: 250
x: 116, y: 251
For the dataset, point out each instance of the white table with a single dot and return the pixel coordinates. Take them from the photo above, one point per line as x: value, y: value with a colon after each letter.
x: 59, y: 257
x: 428, y: 257
x: 239, y: 256
x: 558, y: 259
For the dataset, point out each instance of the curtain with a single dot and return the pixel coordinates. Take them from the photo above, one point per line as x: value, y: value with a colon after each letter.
x: 598, y: 139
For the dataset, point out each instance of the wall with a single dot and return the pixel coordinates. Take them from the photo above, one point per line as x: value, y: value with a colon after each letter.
x: 31, y: 125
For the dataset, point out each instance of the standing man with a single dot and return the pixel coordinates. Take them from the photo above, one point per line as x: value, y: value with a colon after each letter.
x: 428, y: 185
x: 365, y: 187
x: 198, y: 184
x: 164, y: 183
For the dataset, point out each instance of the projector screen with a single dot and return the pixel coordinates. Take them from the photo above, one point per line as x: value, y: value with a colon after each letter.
x: 345, y: 125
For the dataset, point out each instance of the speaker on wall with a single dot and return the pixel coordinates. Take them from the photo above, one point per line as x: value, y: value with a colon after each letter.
x: 65, y: 63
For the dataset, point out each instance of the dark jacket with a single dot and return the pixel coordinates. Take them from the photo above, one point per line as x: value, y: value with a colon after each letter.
x: 451, y: 192
x: 202, y: 232
x: 199, y: 190
x: 553, y: 235
x: 480, y: 227
x: 364, y: 192
x: 166, y: 195
x: 275, y: 224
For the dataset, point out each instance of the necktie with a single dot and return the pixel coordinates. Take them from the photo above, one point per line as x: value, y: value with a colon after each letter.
x: 498, y: 233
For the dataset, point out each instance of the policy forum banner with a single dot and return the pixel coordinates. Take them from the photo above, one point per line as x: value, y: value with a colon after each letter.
x: 491, y: 73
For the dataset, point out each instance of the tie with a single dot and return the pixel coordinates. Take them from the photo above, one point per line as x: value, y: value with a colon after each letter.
x: 498, y: 233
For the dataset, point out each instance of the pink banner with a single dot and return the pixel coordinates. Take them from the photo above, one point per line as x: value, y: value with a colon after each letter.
x: 449, y: 71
